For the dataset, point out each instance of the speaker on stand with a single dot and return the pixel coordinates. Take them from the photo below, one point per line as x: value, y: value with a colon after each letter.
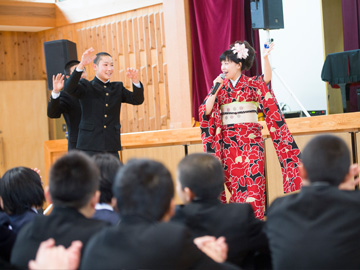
x: 267, y: 14
x: 57, y: 54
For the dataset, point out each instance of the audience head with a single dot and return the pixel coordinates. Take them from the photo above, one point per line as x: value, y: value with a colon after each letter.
x: 108, y: 165
x: 73, y: 181
x: 200, y: 175
x: 326, y: 158
x: 145, y: 188
x: 20, y: 190
x: 70, y: 67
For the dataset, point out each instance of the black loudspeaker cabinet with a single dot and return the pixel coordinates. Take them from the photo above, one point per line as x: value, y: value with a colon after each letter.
x: 57, y: 54
x: 267, y: 14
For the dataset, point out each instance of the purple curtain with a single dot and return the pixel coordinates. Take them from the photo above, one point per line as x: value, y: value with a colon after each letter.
x: 351, y: 25
x: 215, y: 24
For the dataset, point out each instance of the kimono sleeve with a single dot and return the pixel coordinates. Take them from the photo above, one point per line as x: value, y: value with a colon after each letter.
x: 210, y: 126
x: 284, y: 143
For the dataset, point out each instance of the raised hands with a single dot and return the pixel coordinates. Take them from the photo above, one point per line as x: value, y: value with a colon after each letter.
x: 266, y: 51
x: 87, y: 58
x: 58, y: 82
x: 132, y: 73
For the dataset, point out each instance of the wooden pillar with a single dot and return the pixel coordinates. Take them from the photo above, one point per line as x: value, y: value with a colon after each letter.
x: 178, y: 58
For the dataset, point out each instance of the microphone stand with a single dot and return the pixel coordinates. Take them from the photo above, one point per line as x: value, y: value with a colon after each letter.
x: 285, y: 85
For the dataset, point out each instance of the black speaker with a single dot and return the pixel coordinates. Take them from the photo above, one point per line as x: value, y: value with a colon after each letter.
x: 267, y: 14
x: 57, y: 54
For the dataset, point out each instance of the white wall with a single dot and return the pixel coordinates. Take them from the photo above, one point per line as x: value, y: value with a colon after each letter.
x: 298, y: 55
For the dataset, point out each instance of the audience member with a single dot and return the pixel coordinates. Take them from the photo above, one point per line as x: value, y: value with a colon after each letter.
x: 317, y: 227
x: 7, y: 237
x: 144, y: 240
x: 21, y: 195
x: 73, y: 190
x: 199, y: 184
x: 108, y: 166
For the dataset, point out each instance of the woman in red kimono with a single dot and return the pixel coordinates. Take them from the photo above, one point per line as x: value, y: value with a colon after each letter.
x: 230, y: 129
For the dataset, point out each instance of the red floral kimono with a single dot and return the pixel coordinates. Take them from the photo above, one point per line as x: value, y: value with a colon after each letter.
x: 240, y: 146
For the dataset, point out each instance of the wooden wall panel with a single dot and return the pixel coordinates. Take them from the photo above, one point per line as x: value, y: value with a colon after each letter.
x: 24, y: 125
x: 170, y: 156
x: 134, y: 39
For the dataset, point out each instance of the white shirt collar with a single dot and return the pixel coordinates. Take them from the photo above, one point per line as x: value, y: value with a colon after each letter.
x: 234, y: 82
x: 102, y: 80
x: 103, y: 206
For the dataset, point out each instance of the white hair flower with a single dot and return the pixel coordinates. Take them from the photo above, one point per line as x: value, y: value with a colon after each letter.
x: 241, y: 51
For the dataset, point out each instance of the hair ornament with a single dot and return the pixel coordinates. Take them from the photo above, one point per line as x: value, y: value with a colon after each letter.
x: 241, y: 51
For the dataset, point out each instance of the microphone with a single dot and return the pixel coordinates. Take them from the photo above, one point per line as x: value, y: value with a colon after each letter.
x: 216, y: 86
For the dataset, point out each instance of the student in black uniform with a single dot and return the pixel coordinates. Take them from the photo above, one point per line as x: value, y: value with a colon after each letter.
x: 100, y: 100
x: 73, y: 190
x: 108, y: 166
x: 144, y: 239
x: 63, y: 103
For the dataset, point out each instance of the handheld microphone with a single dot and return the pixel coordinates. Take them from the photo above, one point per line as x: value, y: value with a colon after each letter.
x: 216, y: 86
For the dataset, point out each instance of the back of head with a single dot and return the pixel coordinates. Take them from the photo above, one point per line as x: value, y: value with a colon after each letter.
x: 98, y: 57
x: 144, y: 187
x: 74, y: 178
x: 69, y: 65
x: 20, y: 190
x: 108, y: 166
x: 326, y: 158
x: 203, y: 174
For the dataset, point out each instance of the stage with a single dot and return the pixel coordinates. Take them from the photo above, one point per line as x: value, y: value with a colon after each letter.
x: 170, y: 146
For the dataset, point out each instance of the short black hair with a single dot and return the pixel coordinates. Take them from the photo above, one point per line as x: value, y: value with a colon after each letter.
x: 108, y: 165
x: 69, y: 65
x: 143, y: 187
x: 229, y: 55
x: 203, y: 174
x: 20, y: 190
x: 74, y: 178
x: 99, y: 55
x: 326, y: 158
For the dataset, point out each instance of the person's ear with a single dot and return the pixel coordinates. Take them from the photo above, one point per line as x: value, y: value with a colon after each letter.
x: 239, y: 65
x: 47, y: 195
x: 302, y: 170
x: 95, y: 199
x: 1, y: 203
x: 170, y: 212
x: 303, y: 175
x: 189, y: 195
x: 113, y: 202
x: 95, y: 67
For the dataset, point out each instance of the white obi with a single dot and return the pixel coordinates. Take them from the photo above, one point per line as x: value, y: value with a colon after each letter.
x: 238, y: 113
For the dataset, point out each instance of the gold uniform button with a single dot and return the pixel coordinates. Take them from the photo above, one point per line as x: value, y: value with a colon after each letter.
x: 107, y: 94
x: 105, y: 115
x: 104, y: 126
x: 104, y: 86
x: 107, y: 105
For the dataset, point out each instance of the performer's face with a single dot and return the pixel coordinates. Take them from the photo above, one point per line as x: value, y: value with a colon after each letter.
x: 105, y: 68
x: 231, y: 69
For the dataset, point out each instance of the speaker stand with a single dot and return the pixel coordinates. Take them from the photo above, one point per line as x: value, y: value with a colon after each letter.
x: 284, y: 84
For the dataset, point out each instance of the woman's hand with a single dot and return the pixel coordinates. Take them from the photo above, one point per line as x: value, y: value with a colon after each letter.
x: 266, y: 51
